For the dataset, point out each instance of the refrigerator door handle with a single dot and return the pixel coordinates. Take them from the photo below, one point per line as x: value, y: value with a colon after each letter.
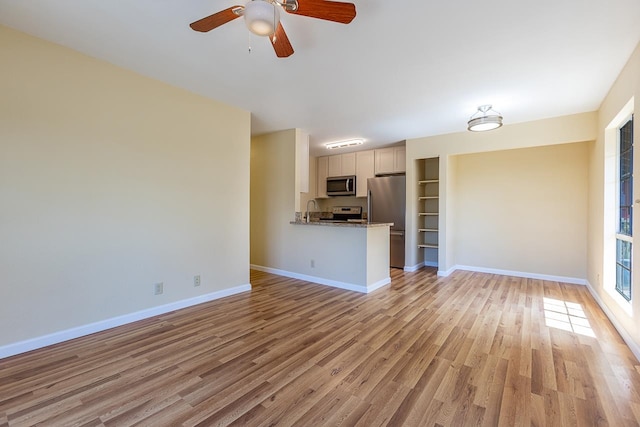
x: 396, y: 233
x: 368, y: 205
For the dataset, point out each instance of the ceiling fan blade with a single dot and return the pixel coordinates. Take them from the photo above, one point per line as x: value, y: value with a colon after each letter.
x: 281, y: 43
x: 327, y: 10
x: 217, y: 19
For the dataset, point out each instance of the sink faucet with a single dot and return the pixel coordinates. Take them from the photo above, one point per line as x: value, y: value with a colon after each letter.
x: 314, y: 203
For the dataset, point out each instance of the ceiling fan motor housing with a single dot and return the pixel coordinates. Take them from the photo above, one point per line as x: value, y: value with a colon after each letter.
x: 289, y: 5
x: 261, y: 17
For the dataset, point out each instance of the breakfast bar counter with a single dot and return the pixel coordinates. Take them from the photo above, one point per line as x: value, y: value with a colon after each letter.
x: 334, y: 223
x: 347, y: 255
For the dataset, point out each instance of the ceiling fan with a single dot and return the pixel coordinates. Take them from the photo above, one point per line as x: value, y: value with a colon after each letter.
x: 262, y: 17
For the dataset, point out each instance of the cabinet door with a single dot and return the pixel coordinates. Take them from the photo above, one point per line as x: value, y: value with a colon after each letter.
x: 335, y: 165
x: 365, y: 169
x: 348, y: 164
x: 399, y: 159
x: 323, y: 170
x: 385, y: 161
x: 342, y: 164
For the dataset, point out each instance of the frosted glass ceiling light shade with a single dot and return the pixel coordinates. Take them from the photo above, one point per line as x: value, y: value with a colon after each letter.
x: 261, y: 17
x: 484, y: 119
x: 343, y: 144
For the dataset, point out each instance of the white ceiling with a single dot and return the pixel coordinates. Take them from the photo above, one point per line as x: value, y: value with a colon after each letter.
x: 399, y: 70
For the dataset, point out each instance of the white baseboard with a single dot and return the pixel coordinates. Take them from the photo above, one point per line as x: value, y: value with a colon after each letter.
x: 563, y: 279
x: 378, y: 284
x: 633, y: 346
x: 103, y: 325
x: 413, y: 268
x: 323, y: 281
x: 447, y: 273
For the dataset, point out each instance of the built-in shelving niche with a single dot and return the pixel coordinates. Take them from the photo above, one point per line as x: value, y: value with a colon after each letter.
x: 428, y: 209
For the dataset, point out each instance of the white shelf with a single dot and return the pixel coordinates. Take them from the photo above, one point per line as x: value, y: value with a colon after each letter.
x: 428, y: 209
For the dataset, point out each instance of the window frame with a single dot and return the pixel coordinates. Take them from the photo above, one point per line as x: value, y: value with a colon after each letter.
x: 623, y: 235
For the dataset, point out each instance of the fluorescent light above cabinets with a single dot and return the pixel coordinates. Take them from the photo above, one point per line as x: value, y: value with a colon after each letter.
x: 343, y: 144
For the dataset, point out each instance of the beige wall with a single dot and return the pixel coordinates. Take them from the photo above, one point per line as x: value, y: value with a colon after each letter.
x: 542, y: 133
x: 523, y: 210
x: 311, y: 194
x: 626, y: 88
x: 273, y: 201
x: 109, y: 183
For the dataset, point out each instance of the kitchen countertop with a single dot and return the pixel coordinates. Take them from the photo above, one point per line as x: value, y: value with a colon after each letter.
x: 344, y: 224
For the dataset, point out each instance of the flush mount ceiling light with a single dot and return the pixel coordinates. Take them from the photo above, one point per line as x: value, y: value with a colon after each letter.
x: 261, y: 17
x: 484, y: 119
x: 343, y: 144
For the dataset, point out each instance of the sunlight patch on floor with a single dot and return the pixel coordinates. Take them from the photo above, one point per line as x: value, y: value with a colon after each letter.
x: 568, y: 316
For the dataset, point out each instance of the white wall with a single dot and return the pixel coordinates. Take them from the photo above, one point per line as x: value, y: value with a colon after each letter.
x: 109, y: 183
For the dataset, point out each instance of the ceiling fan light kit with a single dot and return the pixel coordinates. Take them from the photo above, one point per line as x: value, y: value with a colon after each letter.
x: 484, y: 119
x: 262, y: 17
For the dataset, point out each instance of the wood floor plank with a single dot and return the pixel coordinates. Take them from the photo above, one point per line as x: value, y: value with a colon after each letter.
x: 538, y: 418
x: 412, y: 410
x: 469, y: 349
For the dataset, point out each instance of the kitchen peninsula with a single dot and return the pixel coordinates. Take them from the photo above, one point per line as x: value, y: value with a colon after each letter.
x: 347, y: 255
x: 352, y: 256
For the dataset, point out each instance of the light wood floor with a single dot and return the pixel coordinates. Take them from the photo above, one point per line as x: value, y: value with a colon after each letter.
x: 470, y: 349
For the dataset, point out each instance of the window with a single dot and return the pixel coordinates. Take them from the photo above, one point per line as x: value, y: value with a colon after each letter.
x: 624, y: 234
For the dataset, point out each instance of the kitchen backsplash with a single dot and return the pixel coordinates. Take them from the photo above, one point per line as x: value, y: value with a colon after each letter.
x: 299, y: 216
x: 327, y: 204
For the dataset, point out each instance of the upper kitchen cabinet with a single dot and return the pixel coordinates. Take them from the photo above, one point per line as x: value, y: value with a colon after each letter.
x: 390, y: 160
x: 361, y: 164
x: 365, y: 169
x: 342, y: 164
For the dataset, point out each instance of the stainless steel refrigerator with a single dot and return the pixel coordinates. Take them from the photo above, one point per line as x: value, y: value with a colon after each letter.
x: 387, y: 203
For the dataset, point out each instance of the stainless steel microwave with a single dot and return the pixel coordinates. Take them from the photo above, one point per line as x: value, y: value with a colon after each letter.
x: 341, y: 186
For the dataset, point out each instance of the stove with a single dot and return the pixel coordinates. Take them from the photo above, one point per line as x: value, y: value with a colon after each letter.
x: 347, y: 213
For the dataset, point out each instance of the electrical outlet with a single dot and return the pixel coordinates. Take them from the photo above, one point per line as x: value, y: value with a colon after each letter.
x: 158, y: 288
x: 196, y: 280
x: 313, y: 263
